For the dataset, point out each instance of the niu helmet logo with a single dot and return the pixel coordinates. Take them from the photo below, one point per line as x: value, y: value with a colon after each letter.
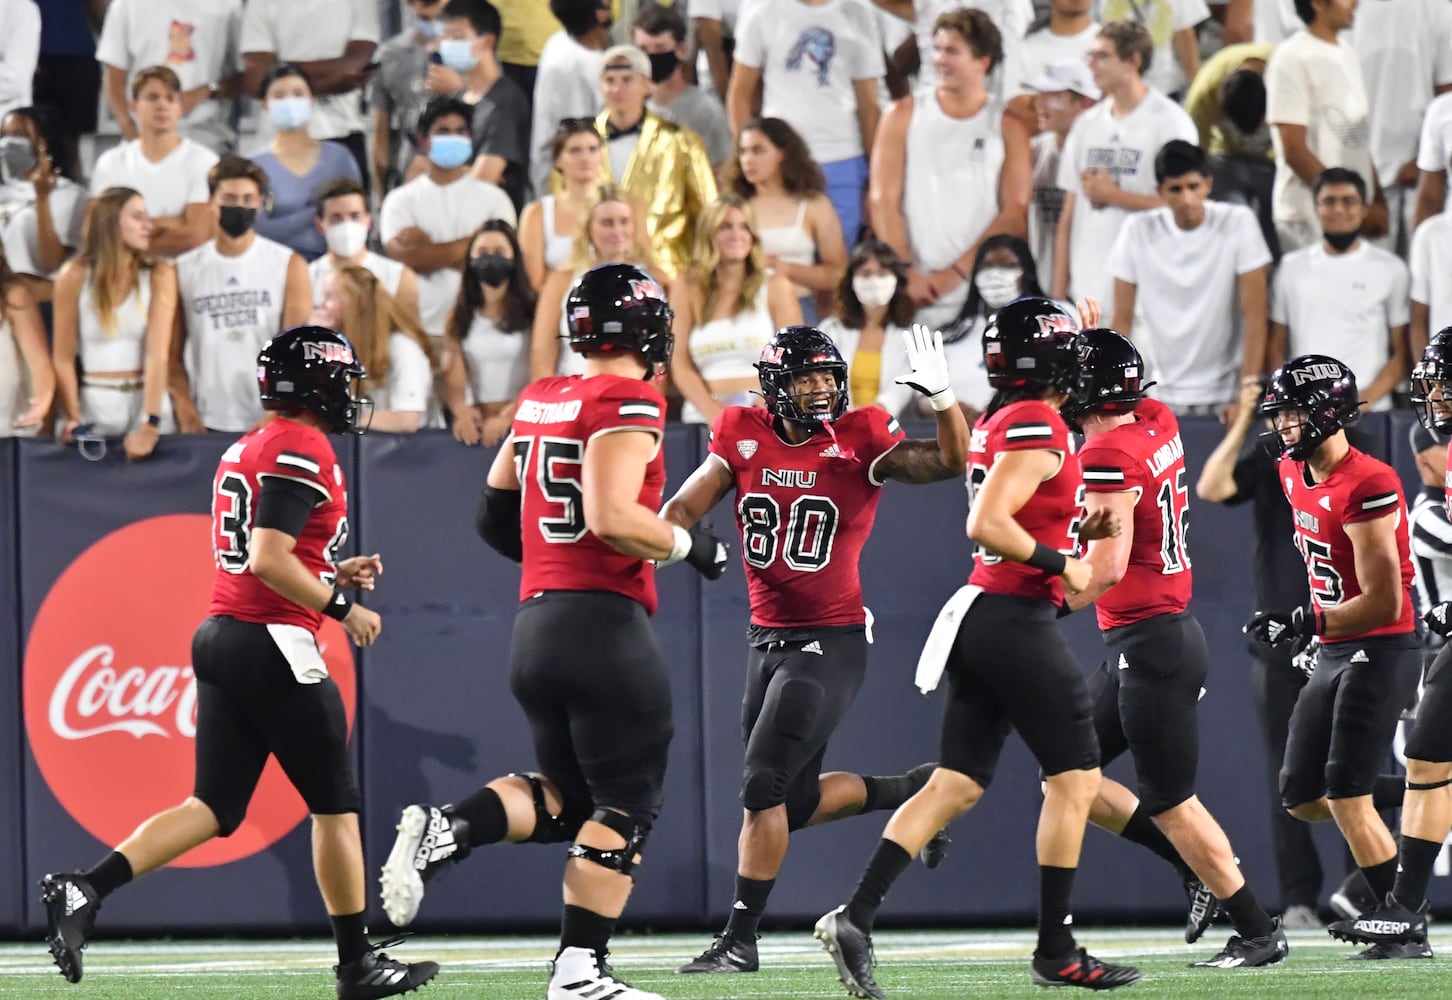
x: 1055, y: 323
x: 645, y: 289
x: 315, y: 351
x: 1315, y: 373
x: 771, y: 354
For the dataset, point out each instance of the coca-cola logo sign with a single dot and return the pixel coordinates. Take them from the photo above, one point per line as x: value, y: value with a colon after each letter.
x: 109, y: 696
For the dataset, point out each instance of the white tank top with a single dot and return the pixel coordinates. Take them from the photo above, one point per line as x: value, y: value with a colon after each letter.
x: 728, y: 348
x: 123, y: 347
x: 557, y: 248
x: 12, y: 394
x: 950, y: 187
x: 498, y: 362
x: 792, y: 243
x: 231, y: 306
x: 388, y: 271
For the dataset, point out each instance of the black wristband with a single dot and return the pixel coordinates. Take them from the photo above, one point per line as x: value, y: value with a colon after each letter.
x: 338, y: 605
x: 152, y: 420
x: 1047, y: 559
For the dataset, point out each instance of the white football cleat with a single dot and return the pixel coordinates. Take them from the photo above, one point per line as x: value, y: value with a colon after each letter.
x: 580, y: 974
x: 427, y: 841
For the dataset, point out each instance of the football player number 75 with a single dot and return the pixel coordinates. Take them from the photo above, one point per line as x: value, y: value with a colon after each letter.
x: 556, y: 462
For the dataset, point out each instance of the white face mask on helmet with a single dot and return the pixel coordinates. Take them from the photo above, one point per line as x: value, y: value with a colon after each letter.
x: 874, y: 291
x: 998, y: 286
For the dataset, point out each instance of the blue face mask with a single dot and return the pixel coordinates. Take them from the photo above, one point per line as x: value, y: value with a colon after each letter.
x: 426, y: 29
x: 450, y: 151
x: 290, y: 113
x: 458, y: 54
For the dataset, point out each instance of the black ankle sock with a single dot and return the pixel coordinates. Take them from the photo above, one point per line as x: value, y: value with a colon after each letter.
x: 1418, y: 856
x: 484, y: 812
x: 111, y: 873
x: 1381, y: 877
x: 1246, y: 913
x: 351, y: 933
x: 582, y: 928
x: 1389, y: 791
x: 746, y: 910
x: 888, y: 862
x: 1142, y: 830
x: 1056, y: 935
x: 892, y: 791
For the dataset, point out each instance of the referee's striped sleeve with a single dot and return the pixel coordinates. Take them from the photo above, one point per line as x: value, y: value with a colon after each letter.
x: 1431, y: 533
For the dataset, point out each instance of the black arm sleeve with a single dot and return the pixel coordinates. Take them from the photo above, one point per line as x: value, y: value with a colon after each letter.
x: 497, y: 522
x: 285, y: 505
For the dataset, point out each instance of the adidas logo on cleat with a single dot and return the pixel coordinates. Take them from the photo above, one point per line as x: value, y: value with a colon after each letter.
x: 1389, y: 928
x: 75, y: 899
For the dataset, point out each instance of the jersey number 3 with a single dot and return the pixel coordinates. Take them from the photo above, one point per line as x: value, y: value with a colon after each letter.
x: 811, y: 525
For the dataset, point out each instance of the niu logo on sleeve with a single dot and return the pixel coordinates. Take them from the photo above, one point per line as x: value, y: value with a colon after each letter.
x: 109, y: 698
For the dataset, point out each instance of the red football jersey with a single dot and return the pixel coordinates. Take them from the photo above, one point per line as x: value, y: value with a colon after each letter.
x: 1051, y: 515
x: 555, y: 421
x: 1360, y: 488
x: 282, y: 449
x: 1145, y: 457
x: 804, y: 512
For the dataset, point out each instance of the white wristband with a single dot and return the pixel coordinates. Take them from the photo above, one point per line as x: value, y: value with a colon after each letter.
x: 944, y: 400
x: 678, y: 551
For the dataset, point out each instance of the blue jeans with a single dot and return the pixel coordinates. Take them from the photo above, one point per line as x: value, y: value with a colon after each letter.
x: 846, y: 180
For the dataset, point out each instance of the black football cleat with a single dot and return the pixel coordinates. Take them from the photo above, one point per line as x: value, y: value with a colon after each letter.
x: 726, y: 954
x: 1249, y: 953
x: 70, y: 917
x: 1389, y: 923
x: 376, y: 975
x: 936, y: 850
x: 1079, y: 968
x: 1201, y: 909
x: 851, y: 948
x: 1392, y: 951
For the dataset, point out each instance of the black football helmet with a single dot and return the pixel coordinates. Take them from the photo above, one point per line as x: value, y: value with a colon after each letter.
x: 313, y: 368
x: 1111, y: 375
x: 1434, y: 369
x: 620, y: 307
x: 790, y: 352
x: 1320, y: 386
x: 1032, y: 343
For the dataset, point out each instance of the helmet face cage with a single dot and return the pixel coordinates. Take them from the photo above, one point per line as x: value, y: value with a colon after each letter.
x: 1320, y: 387
x: 1111, y: 376
x: 793, y: 351
x: 1434, y: 370
x: 1032, y: 342
x: 315, y: 369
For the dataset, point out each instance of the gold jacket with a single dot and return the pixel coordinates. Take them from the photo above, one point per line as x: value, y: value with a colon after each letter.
x: 670, y: 176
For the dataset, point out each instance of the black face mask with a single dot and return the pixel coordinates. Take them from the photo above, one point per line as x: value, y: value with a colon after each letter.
x: 1341, y: 242
x: 491, y: 269
x: 662, y: 65
x: 236, y: 220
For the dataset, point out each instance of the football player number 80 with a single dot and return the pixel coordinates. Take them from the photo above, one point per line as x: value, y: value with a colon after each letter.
x: 811, y: 525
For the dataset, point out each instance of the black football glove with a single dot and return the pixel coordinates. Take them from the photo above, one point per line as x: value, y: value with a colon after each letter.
x: 1277, y: 628
x: 1439, y: 619
x: 1305, y: 660
x: 708, y: 553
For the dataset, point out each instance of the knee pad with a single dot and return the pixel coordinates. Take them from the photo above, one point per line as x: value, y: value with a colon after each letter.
x: 622, y: 859
x: 763, y: 788
x: 800, y: 807
x: 549, y: 828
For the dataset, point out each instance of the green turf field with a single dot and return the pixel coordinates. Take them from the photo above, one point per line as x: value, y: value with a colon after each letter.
x: 911, y: 966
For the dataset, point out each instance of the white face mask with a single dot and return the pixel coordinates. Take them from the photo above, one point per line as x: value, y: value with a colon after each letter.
x: 874, y: 291
x: 998, y: 286
x: 346, y: 238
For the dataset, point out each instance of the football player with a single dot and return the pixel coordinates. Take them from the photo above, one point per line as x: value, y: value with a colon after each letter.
x: 1148, y: 691
x: 1400, y: 923
x: 279, y: 517
x: 1007, y: 665
x: 572, y: 496
x: 1350, y: 523
x: 808, y: 474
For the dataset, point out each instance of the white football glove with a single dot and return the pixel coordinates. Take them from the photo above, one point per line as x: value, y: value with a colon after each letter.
x: 929, y: 366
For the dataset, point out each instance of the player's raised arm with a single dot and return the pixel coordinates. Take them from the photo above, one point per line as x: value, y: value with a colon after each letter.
x: 917, y: 461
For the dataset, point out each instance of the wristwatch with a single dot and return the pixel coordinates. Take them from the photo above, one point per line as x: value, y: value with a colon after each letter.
x: 152, y: 420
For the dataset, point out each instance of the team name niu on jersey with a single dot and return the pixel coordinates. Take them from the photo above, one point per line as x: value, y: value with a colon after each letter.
x: 314, y: 351
x: 1308, y: 521
x: 791, y: 478
x: 106, y: 700
x: 1315, y: 373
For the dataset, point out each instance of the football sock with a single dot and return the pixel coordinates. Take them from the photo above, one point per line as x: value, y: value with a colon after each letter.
x: 1381, y: 877
x: 351, y: 933
x: 1142, y: 830
x: 892, y: 791
x: 111, y: 873
x: 1417, y: 858
x: 1056, y: 934
x: 1246, y: 913
x: 746, y: 910
x: 582, y: 928
x: 484, y: 812
x: 888, y: 862
x: 1389, y: 791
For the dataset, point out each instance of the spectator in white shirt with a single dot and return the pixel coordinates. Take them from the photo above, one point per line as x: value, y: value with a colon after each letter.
x: 427, y: 223
x: 819, y: 63
x: 567, y: 82
x: 1343, y: 296
x: 1430, y: 262
x: 1171, y: 24
x: 41, y: 210
x: 1316, y: 104
x: 344, y: 221
x: 1196, y: 269
x: 1066, y: 35
x: 1106, y: 169
x: 1434, y: 152
x: 951, y: 145
x: 198, y: 39
x: 1061, y: 93
x: 660, y: 32
x: 19, y: 52
x: 333, y: 42
x: 166, y: 168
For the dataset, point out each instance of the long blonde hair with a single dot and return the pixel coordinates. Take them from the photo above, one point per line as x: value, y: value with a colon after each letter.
x: 706, y: 257
x: 583, y: 256
x: 113, y: 266
x: 370, y: 317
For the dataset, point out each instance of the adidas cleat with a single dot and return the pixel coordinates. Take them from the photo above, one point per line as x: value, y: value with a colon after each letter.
x: 936, y: 850
x: 726, y: 954
x: 1392, y: 951
x: 428, y: 840
x: 1391, y: 922
x: 580, y: 974
x: 1079, y: 968
x: 1249, y: 953
x: 70, y: 917
x: 376, y: 975
x: 851, y: 948
x: 1201, y: 909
